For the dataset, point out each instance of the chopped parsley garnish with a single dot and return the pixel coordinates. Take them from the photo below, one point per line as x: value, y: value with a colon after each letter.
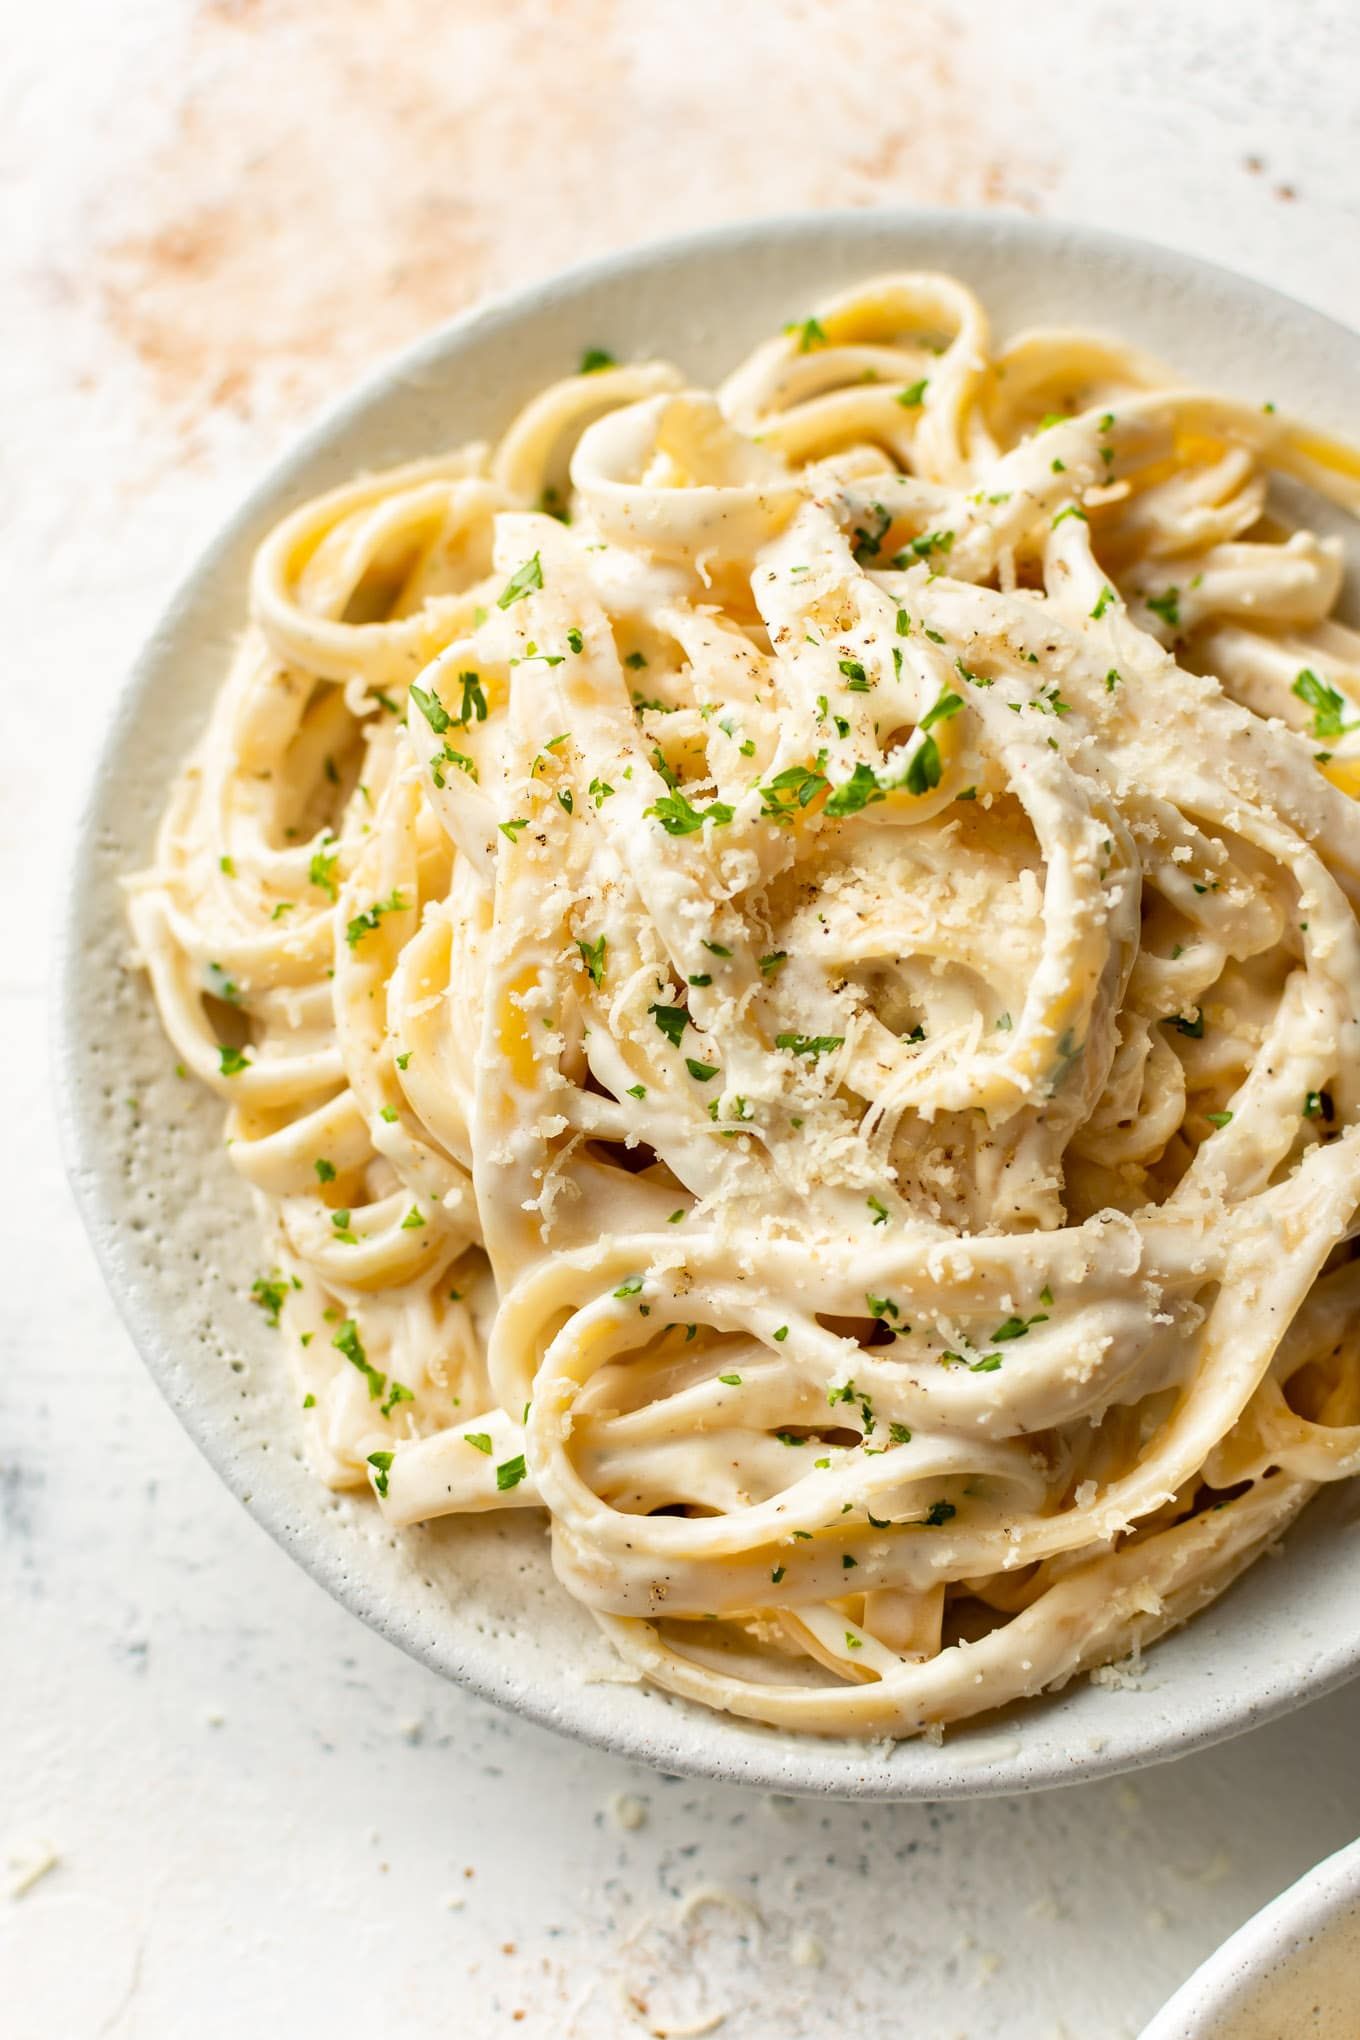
x: 914, y: 394
x: 521, y: 583
x: 381, y: 1462
x: 796, y: 786
x: 940, y: 711
x: 269, y: 1295
x: 321, y: 872
x: 879, y: 1209
x: 575, y: 640
x: 854, y: 673
x: 629, y: 1288
x: 1329, y: 707
x: 348, y: 1342
x: 672, y: 1020
x: 899, y: 1434
x: 868, y: 539
x: 921, y: 548
x: 678, y: 816
x: 231, y: 1061
x: 781, y: 1335
x: 1070, y: 510
x: 1016, y: 1327
x: 600, y: 791
x: 1103, y: 601
x: 730, y: 1380
x: 702, y: 1072
x: 480, y: 1441
x: 924, y: 768
x: 474, y: 701
x: 510, y: 1473
x: 776, y: 960
x: 809, y: 1044
x: 412, y: 1220
x: 1318, y: 1105
x: 593, y: 957
x: 1218, y: 1118
x: 811, y: 333
x: 448, y: 756
x: 594, y: 359
x: 859, y: 791
x: 432, y: 708
x: 1167, y: 605
x: 510, y: 830
x: 1194, y: 1028
x: 325, y: 1171
x: 365, y: 923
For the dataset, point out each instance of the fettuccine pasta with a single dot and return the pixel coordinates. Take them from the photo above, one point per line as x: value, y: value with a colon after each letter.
x: 784, y: 968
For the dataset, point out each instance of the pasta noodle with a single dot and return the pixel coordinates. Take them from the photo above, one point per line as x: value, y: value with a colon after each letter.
x: 784, y: 969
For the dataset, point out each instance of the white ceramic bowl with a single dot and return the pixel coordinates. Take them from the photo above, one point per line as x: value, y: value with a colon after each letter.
x: 1291, y: 1973
x: 171, y: 1223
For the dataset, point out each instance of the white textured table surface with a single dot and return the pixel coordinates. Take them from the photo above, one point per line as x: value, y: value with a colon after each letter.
x: 222, y: 1801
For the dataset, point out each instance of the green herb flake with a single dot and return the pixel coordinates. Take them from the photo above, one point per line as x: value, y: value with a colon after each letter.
x: 432, y: 708
x: 679, y: 817
x: 321, y: 872
x: 366, y: 922
x: 811, y: 333
x: 672, y: 1020
x: 813, y: 1045
x: 1329, y: 707
x: 521, y: 583
x: 269, y: 1295
x: 593, y: 956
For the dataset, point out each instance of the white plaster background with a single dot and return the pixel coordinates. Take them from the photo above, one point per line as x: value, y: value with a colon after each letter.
x: 214, y: 216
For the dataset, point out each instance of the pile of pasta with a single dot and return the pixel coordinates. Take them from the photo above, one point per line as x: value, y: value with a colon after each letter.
x: 784, y: 968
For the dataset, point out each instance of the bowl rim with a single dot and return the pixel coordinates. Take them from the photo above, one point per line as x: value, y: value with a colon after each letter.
x: 818, y: 1765
x: 1246, y: 1959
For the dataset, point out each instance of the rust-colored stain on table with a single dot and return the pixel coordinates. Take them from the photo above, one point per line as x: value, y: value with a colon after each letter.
x: 329, y: 182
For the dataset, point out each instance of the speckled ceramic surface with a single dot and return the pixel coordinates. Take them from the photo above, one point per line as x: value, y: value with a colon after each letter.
x: 171, y: 1223
x: 1291, y: 1973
